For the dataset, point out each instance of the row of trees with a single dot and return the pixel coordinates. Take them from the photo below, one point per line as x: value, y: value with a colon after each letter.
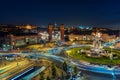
x: 54, y: 73
x: 65, y: 67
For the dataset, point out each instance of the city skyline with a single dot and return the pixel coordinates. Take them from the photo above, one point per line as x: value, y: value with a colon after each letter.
x: 60, y: 40
x: 98, y: 13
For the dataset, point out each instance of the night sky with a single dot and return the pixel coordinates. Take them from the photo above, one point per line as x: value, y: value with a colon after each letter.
x: 70, y: 12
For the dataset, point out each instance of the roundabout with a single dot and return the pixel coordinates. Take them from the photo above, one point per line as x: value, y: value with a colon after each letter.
x: 80, y: 54
x: 95, y: 68
x: 93, y: 60
x: 95, y: 53
x: 101, y: 65
x: 77, y: 55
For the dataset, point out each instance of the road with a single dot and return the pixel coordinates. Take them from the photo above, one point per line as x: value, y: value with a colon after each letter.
x: 102, y: 70
x: 90, y: 70
x: 13, y: 68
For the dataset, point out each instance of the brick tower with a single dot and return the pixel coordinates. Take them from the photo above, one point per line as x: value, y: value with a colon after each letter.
x: 62, y: 32
x: 50, y: 29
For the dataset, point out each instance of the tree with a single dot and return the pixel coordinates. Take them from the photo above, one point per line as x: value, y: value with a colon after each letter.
x: 75, y: 69
x: 63, y: 77
x: 48, y: 78
x: 41, y: 76
x: 53, y: 70
x: 65, y: 66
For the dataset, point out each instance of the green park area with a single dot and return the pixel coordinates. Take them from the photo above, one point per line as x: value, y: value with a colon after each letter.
x: 76, y: 53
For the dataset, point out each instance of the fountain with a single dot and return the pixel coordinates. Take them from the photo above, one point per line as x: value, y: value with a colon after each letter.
x: 97, y: 47
x: 97, y: 40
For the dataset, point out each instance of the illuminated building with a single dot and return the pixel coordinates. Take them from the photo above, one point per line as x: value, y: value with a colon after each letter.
x: 28, y: 28
x: 117, y: 45
x: 85, y: 33
x: 56, y: 33
x: 15, y: 36
x: 44, y: 35
x: 29, y: 34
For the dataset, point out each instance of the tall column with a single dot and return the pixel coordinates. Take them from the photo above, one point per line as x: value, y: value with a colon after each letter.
x: 62, y: 32
x: 50, y: 29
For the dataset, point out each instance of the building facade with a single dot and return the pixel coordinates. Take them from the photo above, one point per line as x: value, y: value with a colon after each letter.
x: 56, y: 33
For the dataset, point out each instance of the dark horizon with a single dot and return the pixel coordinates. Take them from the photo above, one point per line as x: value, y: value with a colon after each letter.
x: 98, y: 13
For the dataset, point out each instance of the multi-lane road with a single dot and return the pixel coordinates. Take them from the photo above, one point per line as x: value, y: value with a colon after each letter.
x: 13, y: 68
x: 93, y: 72
x: 110, y: 73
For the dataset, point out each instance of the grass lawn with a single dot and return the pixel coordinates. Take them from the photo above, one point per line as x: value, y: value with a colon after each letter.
x: 99, y: 60
x: 114, y: 51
